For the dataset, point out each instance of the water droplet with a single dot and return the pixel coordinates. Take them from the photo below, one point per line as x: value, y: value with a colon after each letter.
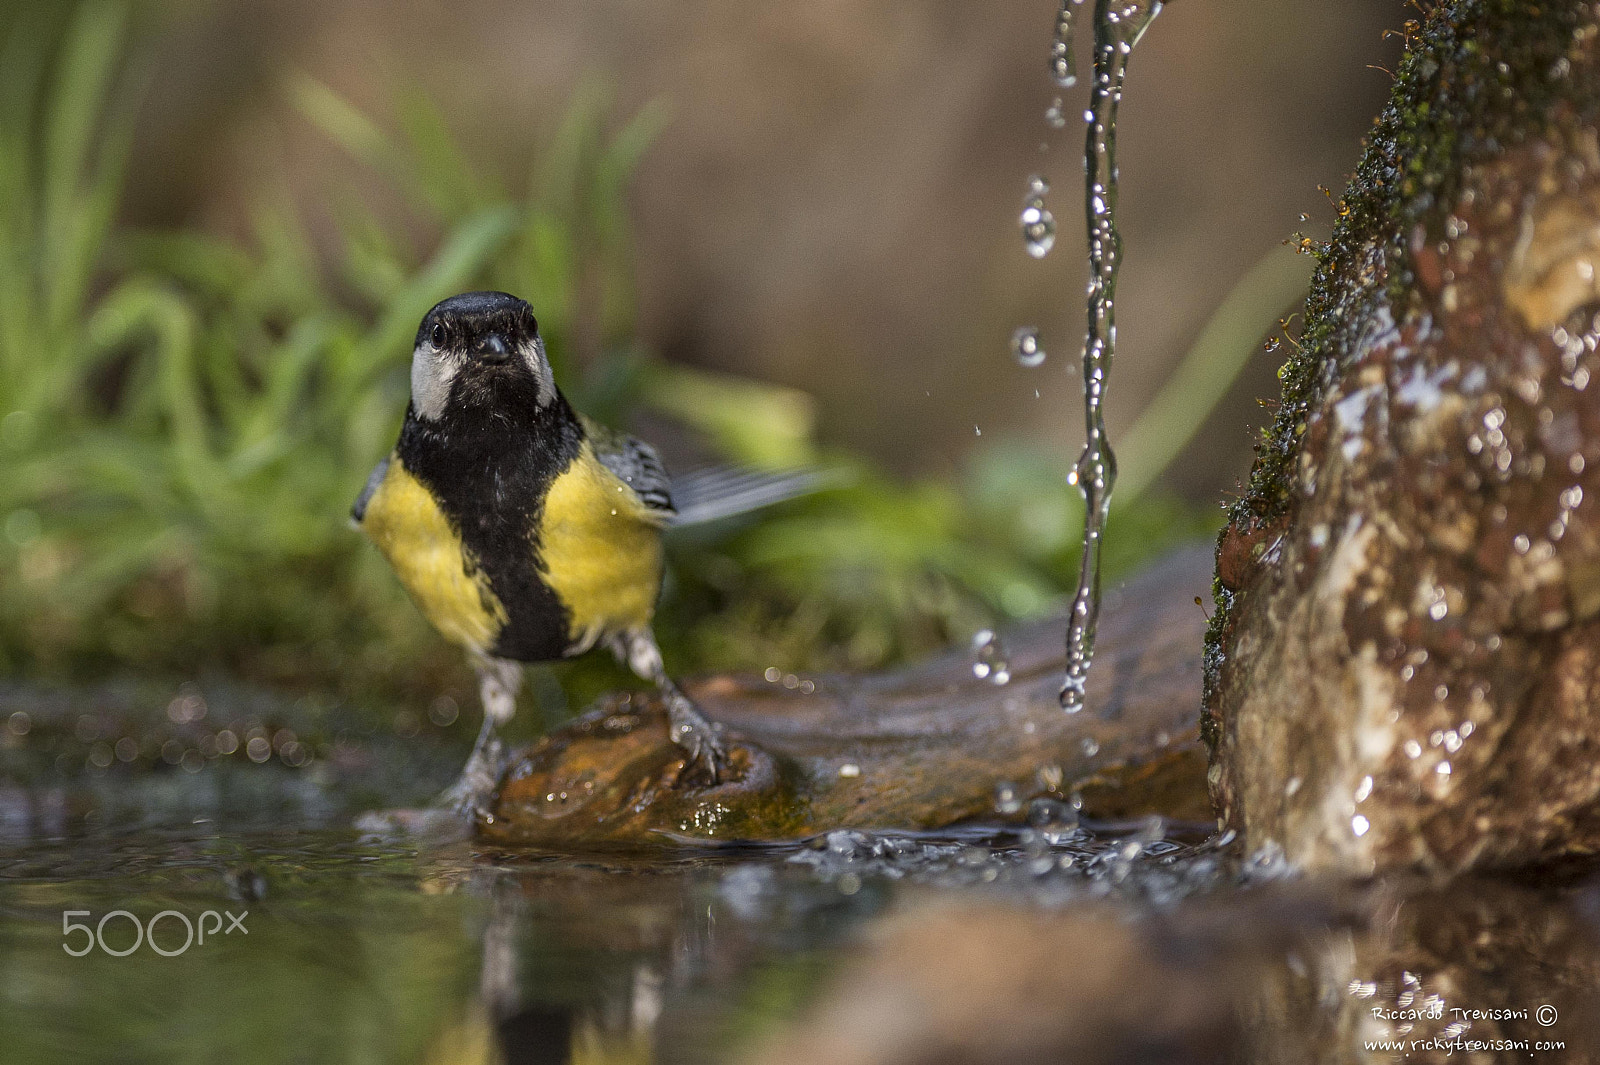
x: 22, y: 527
x: 1038, y: 224
x: 443, y: 711
x: 1053, y: 819
x: 1062, y: 68
x: 1072, y: 692
x: 16, y: 429
x: 1152, y: 830
x: 1025, y: 346
x: 1054, y: 117
x: 1359, y: 825
x: 989, y: 658
x: 1006, y: 799
x: 1090, y: 746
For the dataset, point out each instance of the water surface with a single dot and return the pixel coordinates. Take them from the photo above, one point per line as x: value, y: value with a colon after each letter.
x: 1143, y: 941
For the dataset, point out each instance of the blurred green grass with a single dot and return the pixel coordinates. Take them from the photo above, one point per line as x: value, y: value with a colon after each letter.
x: 184, y: 419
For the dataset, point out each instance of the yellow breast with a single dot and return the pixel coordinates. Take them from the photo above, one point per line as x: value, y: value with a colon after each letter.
x: 601, y: 549
x: 443, y: 578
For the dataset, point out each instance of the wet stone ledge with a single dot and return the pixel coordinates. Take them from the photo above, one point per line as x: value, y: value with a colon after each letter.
x: 923, y: 748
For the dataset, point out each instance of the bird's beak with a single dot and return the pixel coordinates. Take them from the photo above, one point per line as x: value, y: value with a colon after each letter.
x: 492, y: 349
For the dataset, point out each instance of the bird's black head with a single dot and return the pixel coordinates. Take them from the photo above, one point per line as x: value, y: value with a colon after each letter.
x: 479, y: 349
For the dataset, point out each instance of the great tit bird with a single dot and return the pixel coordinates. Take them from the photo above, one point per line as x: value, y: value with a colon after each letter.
x: 524, y: 531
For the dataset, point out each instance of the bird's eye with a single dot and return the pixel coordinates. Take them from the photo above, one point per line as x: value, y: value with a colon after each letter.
x: 438, y: 335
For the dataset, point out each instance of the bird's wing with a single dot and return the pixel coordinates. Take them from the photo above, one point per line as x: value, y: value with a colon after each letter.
x: 725, y: 491
x: 379, y: 472
x: 636, y: 464
x: 703, y: 495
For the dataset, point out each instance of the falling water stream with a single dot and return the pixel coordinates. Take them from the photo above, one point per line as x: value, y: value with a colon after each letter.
x: 1118, y: 25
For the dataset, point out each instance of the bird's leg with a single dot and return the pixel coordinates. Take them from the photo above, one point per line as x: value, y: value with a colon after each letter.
x: 688, y: 728
x: 498, y: 681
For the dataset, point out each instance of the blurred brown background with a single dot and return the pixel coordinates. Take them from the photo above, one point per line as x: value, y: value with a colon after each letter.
x: 833, y: 202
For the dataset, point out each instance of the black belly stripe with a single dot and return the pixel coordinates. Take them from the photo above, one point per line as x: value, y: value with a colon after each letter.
x: 490, y: 477
x: 538, y: 626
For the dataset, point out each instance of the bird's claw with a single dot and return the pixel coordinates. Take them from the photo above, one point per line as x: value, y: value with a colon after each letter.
x: 707, y: 758
x: 469, y: 797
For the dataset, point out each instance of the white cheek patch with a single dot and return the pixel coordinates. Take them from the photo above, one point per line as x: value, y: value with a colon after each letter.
x: 431, y: 375
x: 533, y: 355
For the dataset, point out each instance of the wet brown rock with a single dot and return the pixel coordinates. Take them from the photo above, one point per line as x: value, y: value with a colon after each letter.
x: 1404, y: 669
x: 921, y: 748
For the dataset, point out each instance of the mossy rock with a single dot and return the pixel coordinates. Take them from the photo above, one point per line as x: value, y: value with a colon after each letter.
x: 1404, y: 666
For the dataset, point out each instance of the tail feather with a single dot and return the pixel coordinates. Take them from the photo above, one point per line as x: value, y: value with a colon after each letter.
x: 717, y: 492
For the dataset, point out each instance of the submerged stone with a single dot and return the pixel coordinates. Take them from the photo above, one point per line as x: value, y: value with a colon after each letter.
x: 1404, y: 667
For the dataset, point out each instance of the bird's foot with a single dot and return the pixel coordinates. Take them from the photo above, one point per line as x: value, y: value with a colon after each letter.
x: 708, y: 759
x: 469, y: 797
